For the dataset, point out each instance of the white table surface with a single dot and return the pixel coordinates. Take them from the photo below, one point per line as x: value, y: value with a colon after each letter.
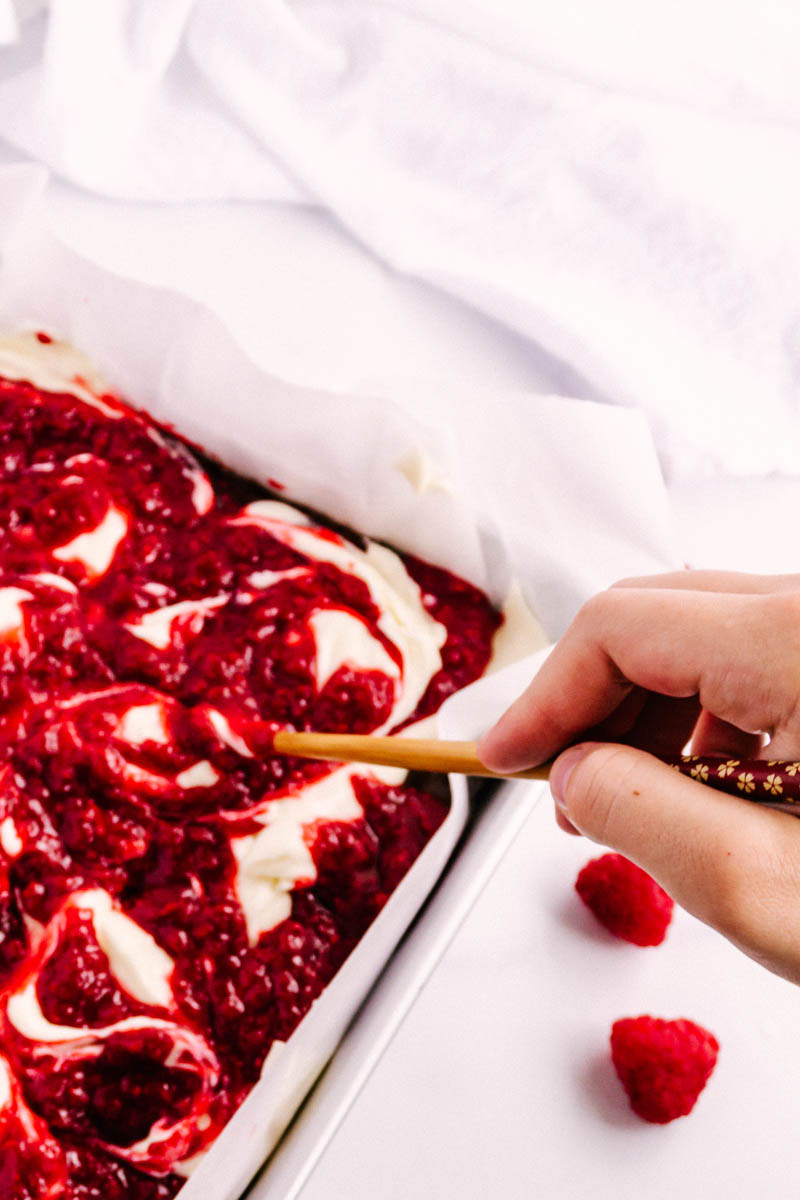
x: 499, y: 1082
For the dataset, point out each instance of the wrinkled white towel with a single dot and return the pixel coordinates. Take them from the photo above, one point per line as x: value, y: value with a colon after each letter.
x: 620, y: 183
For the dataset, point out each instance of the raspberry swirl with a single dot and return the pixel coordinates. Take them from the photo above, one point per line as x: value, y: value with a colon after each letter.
x: 174, y: 895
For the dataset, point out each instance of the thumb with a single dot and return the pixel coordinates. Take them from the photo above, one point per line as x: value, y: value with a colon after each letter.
x: 720, y: 857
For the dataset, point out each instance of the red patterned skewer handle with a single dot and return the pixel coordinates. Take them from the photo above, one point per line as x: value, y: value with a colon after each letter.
x: 772, y: 782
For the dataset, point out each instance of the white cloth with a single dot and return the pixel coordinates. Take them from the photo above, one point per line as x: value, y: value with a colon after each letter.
x: 619, y: 184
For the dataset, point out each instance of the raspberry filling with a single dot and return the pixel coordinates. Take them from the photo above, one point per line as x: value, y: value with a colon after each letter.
x: 173, y: 895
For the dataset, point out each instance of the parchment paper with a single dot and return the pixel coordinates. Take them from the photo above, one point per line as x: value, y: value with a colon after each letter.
x: 565, y: 494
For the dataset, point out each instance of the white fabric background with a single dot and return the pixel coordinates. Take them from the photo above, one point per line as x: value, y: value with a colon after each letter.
x: 618, y: 183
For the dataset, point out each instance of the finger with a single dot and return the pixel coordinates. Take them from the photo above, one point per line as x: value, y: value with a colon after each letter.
x: 732, y: 864
x: 784, y: 745
x: 658, y: 724
x: 664, y: 725
x: 715, y: 581
x: 739, y: 653
x: 713, y: 736
x: 617, y: 726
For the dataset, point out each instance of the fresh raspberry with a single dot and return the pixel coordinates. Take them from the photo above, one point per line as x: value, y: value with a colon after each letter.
x: 625, y: 899
x: 663, y: 1065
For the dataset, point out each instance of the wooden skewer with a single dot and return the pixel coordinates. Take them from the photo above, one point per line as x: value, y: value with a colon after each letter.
x: 412, y: 754
x: 773, y: 784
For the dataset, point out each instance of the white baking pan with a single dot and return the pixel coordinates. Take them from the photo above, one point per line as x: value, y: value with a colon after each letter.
x: 495, y: 814
x: 494, y: 822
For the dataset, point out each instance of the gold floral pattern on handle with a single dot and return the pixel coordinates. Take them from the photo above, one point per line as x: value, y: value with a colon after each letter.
x: 763, y: 781
x: 727, y: 768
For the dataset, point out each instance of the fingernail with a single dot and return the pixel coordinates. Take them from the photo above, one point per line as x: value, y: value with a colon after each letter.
x: 560, y: 773
x: 564, y: 823
x: 489, y: 756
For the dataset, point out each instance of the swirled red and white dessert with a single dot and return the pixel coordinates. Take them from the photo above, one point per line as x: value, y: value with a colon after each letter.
x: 174, y: 896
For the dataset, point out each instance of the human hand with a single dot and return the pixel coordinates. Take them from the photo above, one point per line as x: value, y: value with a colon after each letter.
x: 643, y: 667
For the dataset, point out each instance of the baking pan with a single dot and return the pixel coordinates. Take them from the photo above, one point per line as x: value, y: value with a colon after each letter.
x: 495, y: 817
